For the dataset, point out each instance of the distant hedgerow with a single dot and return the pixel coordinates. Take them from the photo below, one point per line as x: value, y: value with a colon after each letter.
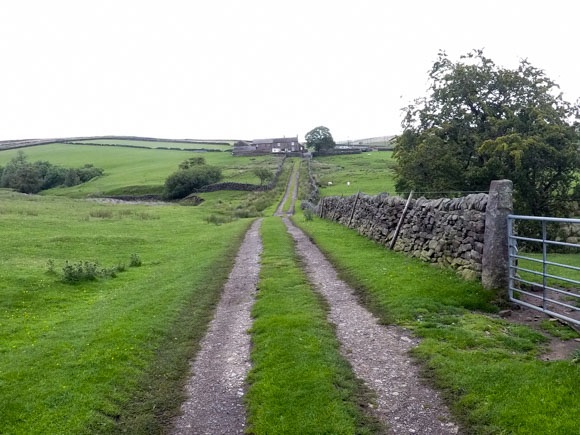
x: 26, y: 177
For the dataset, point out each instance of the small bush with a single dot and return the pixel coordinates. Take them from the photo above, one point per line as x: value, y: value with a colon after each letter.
x: 218, y: 220
x: 79, y: 272
x: 185, y: 181
x: 309, y: 210
x: 101, y: 214
x: 74, y: 273
x: 125, y: 212
x: 50, y: 267
x: 262, y: 204
x: 244, y: 213
x: 135, y: 261
x: 193, y: 161
x: 308, y: 214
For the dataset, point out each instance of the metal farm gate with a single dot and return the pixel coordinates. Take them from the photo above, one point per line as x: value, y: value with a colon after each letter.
x: 544, y: 270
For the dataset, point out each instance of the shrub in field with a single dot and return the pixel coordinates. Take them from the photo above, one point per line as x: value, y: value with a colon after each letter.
x: 183, y: 182
x: 50, y: 267
x: 144, y: 216
x: 193, y: 161
x: 218, y: 220
x: 26, y: 177
x: 74, y: 273
x: 246, y: 212
x: 102, y: 214
x: 135, y: 261
x: 308, y: 209
x: 78, y: 272
x: 264, y: 175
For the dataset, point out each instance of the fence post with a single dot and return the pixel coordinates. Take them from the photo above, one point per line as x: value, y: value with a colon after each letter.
x: 353, y: 209
x: 494, y: 262
x: 400, y: 224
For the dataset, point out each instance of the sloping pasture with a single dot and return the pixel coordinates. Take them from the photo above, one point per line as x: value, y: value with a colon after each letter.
x: 186, y: 145
x: 111, y: 353
x: 369, y: 172
x: 135, y: 170
x: 73, y: 358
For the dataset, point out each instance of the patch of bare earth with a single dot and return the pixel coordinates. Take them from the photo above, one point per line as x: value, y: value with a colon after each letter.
x: 556, y: 349
x: 377, y: 353
x: 216, y: 388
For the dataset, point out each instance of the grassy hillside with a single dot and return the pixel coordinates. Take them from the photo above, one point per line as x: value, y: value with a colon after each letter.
x: 135, y: 170
x: 369, y: 173
x: 159, y: 144
x: 487, y: 368
x: 111, y: 353
x: 98, y: 340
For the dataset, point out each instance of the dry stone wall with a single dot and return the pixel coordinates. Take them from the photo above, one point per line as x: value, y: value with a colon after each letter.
x: 448, y: 232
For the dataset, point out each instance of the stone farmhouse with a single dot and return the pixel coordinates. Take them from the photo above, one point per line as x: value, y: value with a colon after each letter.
x: 285, y: 145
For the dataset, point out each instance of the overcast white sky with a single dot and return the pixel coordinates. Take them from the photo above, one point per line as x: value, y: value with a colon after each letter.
x: 254, y: 68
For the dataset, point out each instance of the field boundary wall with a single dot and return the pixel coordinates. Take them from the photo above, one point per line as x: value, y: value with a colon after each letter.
x: 452, y: 233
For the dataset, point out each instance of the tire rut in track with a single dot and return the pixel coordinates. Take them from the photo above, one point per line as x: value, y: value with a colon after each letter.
x: 377, y: 353
x: 293, y: 195
x: 216, y: 387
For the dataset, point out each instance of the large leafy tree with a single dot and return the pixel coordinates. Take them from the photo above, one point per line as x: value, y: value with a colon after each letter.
x: 482, y: 122
x: 320, y: 139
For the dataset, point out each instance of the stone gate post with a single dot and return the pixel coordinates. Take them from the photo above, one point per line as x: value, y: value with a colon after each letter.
x: 494, y: 274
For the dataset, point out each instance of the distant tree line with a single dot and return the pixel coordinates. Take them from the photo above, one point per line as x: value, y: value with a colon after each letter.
x: 32, y: 177
x: 120, y: 145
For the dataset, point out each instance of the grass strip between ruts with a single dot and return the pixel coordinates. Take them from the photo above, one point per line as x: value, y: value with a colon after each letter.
x: 487, y: 368
x: 291, y: 186
x: 299, y: 382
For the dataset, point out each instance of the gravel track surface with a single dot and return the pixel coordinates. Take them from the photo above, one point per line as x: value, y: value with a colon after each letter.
x: 293, y: 195
x: 377, y: 353
x: 216, y: 388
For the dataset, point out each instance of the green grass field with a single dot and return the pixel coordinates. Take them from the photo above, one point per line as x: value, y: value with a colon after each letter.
x: 159, y: 144
x: 299, y: 383
x: 487, y: 368
x: 135, y: 170
x: 111, y: 355
x: 369, y: 173
x: 73, y: 358
x: 552, y: 269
